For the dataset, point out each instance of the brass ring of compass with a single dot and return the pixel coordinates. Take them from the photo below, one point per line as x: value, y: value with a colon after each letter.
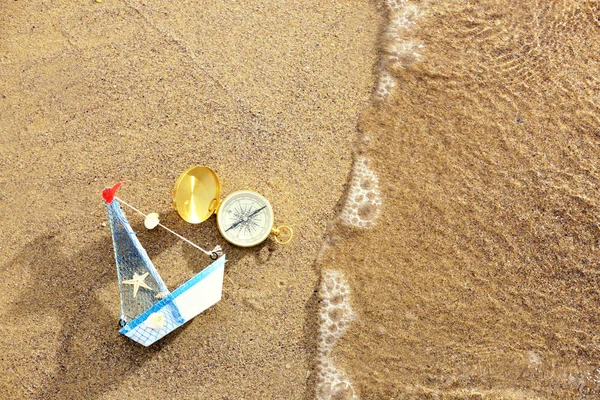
x: 277, y: 232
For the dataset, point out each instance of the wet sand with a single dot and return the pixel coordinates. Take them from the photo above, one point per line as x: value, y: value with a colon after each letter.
x: 480, y: 279
x: 267, y: 94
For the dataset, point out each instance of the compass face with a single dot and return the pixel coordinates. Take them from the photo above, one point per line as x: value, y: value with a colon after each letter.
x: 245, y: 218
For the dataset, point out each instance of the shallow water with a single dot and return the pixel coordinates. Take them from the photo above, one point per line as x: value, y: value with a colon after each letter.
x: 480, y: 277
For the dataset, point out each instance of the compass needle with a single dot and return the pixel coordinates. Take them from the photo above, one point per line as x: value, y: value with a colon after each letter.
x: 245, y: 218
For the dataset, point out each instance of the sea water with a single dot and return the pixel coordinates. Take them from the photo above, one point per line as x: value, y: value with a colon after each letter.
x: 467, y: 243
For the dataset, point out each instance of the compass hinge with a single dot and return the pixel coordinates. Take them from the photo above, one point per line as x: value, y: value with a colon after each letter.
x: 214, y: 206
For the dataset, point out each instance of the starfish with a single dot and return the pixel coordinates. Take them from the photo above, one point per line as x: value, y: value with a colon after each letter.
x: 137, y: 281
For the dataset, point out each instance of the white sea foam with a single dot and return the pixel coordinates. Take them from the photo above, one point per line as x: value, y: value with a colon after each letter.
x: 385, y: 85
x: 363, y: 201
x: 362, y: 206
x: 399, y: 51
x: 336, y: 315
x: 394, y: 5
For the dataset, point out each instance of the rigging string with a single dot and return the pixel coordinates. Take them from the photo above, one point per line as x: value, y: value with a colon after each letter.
x: 214, y: 254
x: 240, y: 106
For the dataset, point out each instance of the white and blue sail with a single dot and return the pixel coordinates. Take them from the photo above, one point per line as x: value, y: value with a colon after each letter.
x: 149, y: 310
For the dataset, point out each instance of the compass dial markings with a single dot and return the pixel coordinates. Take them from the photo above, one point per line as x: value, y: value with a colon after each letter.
x: 245, y: 218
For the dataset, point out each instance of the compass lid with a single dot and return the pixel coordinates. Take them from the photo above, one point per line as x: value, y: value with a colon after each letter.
x: 196, y: 194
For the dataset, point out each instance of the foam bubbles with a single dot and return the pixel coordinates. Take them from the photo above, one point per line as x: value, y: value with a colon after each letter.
x: 335, y: 315
x: 401, y: 53
x: 398, y: 50
x: 363, y: 202
x: 402, y: 19
x: 385, y: 85
x: 394, y: 5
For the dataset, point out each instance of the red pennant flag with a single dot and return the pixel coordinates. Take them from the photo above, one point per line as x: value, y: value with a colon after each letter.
x: 109, y: 193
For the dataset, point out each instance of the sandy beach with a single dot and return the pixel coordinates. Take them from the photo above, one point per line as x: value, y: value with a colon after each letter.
x: 267, y: 94
x: 437, y: 161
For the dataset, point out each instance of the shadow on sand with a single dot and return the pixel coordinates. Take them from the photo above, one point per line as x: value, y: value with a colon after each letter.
x: 92, y: 357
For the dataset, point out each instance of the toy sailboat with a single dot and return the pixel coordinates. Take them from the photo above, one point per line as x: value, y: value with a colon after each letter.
x: 148, y: 310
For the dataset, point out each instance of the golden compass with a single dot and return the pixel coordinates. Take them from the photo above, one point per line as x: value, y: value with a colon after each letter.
x: 244, y: 218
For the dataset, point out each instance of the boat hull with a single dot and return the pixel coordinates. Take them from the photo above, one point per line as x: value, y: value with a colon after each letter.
x: 175, y: 309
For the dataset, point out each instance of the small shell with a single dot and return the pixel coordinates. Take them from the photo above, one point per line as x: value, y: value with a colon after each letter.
x: 151, y: 221
x: 156, y: 321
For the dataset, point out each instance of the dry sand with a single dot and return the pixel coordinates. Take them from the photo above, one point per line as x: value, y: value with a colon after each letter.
x: 266, y: 93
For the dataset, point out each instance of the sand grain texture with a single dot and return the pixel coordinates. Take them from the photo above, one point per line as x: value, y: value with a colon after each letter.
x: 266, y: 93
